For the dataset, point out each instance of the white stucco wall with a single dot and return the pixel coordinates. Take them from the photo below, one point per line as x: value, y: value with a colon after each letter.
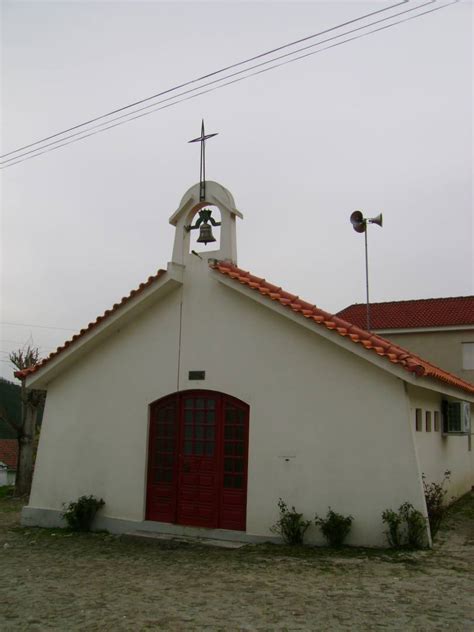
x: 344, y: 422
x: 95, y: 425
x: 437, y: 452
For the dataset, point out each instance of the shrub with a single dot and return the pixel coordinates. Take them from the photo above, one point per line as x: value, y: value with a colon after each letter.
x: 393, y: 520
x: 406, y: 528
x: 335, y: 527
x: 7, y: 491
x: 415, y: 526
x: 291, y: 525
x: 435, y: 495
x: 80, y: 514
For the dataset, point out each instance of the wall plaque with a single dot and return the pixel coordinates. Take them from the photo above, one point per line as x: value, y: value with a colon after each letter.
x: 197, y: 375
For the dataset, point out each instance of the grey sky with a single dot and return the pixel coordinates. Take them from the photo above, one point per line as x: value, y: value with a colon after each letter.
x: 382, y: 124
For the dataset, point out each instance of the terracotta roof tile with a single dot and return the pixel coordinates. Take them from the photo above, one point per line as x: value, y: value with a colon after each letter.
x: 342, y: 327
x: 117, y: 306
x: 427, y: 312
x: 382, y: 347
x: 9, y: 452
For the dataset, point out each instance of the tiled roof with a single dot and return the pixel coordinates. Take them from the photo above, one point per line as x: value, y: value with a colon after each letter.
x: 90, y: 326
x: 427, y: 312
x: 376, y: 344
x: 372, y: 342
x: 9, y: 452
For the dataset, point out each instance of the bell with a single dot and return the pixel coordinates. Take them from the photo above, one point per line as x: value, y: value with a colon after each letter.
x: 205, y: 234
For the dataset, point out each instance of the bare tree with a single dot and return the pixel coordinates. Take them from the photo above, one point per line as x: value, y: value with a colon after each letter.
x: 31, y: 401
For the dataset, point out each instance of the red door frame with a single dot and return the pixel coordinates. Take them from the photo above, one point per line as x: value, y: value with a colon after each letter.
x: 165, y: 472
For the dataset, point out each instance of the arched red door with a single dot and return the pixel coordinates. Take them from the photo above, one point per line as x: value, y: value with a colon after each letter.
x: 197, y: 460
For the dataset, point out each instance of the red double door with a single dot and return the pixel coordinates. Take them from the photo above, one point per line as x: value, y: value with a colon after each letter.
x: 197, y: 460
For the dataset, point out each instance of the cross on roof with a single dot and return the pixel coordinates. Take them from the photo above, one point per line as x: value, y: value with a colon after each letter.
x: 202, y: 172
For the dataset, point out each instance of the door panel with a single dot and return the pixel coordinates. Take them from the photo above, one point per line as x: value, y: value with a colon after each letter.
x: 198, y: 462
x: 198, y: 452
x: 235, y: 457
x: 162, y: 461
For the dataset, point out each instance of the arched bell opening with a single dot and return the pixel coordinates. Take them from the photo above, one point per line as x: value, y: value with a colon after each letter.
x: 198, y: 460
x: 205, y: 230
x: 220, y: 201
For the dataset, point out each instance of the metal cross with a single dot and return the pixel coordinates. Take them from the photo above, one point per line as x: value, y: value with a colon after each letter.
x: 202, y: 173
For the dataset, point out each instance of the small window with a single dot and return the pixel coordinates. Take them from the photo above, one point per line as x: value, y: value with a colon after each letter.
x: 456, y: 417
x: 436, y: 420
x: 468, y: 356
x: 419, y: 424
x: 428, y: 421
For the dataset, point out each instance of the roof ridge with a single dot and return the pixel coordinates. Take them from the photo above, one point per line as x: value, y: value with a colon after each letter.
x: 414, y: 313
x: 410, y: 300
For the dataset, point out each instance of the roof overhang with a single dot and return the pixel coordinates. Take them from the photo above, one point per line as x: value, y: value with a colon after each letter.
x: 398, y: 371
x: 423, y: 330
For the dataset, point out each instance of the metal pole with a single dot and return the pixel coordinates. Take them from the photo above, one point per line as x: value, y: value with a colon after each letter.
x: 367, y: 275
x: 203, y: 170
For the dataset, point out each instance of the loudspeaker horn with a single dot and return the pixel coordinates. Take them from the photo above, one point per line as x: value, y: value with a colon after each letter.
x: 377, y: 220
x: 358, y: 222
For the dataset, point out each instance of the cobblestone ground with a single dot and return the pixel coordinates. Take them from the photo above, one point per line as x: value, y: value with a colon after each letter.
x: 53, y: 580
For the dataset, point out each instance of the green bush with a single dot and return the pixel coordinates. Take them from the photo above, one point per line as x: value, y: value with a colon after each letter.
x: 406, y: 528
x: 80, y: 514
x: 7, y: 491
x: 435, y: 494
x: 415, y: 526
x: 291, y: 525
x: 394, y: 520
x: 335, y: 527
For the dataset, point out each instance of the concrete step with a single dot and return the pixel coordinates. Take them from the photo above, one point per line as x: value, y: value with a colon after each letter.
x: 150, y: 536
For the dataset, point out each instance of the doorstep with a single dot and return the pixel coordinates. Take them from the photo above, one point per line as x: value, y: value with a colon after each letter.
x: 160, y: 537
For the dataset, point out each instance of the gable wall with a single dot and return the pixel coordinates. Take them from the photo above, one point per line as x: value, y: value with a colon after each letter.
x: 342, y: 422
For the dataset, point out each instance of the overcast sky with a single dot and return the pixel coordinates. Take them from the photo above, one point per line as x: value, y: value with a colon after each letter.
x: 381, y: 124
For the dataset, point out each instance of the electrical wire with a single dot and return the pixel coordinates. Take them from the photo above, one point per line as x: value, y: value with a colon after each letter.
x: 17, y: 342
x: 130, y: 118
x: 192, y: 96
x: 153, y: 105
x: 37, y: 326
x: 206, y: 76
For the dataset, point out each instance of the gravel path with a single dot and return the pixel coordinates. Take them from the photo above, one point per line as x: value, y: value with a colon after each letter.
x: 54, y: 580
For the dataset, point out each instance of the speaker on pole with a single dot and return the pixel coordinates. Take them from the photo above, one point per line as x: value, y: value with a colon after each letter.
x: 358, y: 222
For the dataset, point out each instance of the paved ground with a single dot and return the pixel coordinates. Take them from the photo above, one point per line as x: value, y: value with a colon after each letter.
x: 53, y: 580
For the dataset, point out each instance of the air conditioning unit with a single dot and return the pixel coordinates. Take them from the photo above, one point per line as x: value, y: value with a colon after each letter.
x: 456, y: 417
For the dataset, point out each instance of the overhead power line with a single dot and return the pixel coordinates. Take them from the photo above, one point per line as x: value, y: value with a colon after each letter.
x: 206, y: 76
x: 37, y: 326
x: 128, y: 117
